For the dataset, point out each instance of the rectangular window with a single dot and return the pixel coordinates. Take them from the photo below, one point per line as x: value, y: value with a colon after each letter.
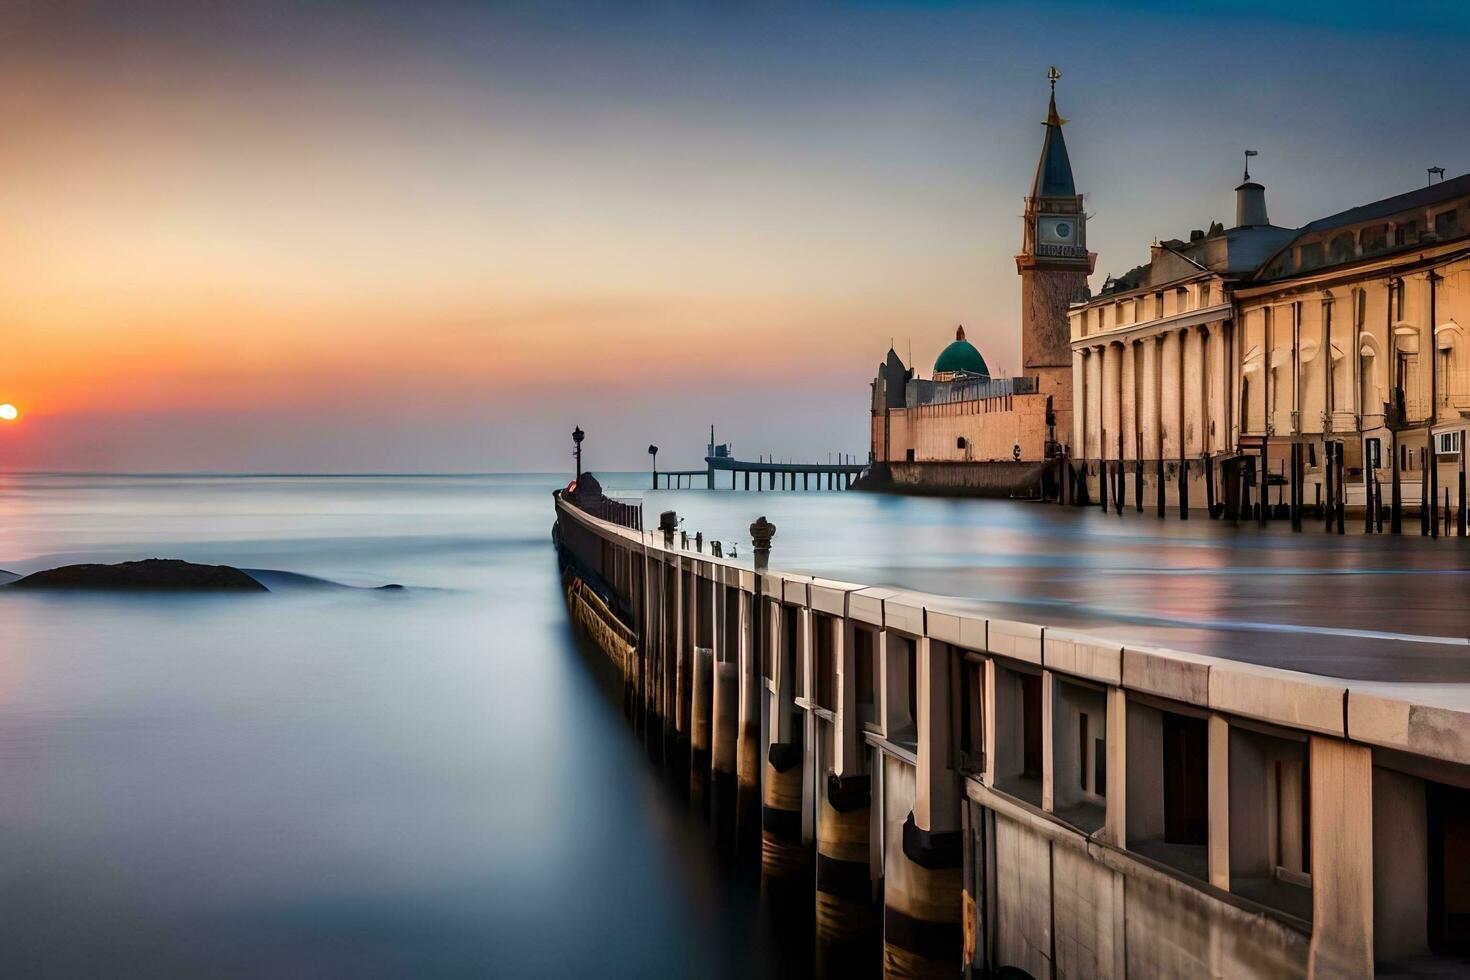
x: 824, y: 632
x: 911, y: 657
x: 1447, y: 224
x: 1449, y: 869
x: 1186, y: 779
x: 1270, y: 821
x: 791, y: 650
x: 768, y: 659
x: 1031, y: 724
x: 865, y: 657
x: 1100, y: 767
x: 1082, y: 749
x: 971, y: 708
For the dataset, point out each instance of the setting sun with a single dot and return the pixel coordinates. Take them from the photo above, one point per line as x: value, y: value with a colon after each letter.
x: 8, y: 412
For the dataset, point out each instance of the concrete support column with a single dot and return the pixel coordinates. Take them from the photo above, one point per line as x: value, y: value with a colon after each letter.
x: 937, y: 789
x: 923, y: 935
x: 1170, y: 430
x: 749, y: 749
x: 1115, y: 821
x: 848, y: 753
x: 673, y: 664
x: 845, y: 908
x: 1219, y: 806
x: 783, y: 855
x: 1048, y: 695
x: 701, y: 698
x: 725, y: 706
x: 1342, y: 859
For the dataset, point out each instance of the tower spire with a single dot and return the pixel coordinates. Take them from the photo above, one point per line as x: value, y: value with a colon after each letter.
x: 1054, y: 169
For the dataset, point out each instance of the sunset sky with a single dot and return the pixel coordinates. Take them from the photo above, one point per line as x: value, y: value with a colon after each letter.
x: 405, y: 237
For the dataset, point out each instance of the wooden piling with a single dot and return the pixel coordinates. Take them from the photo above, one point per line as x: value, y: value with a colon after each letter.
x: 1183, y: 488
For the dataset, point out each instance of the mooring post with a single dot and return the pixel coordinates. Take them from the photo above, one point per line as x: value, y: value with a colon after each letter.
x: 1183, y: 486
x: 1297, y: 497
x: 1461, y: 509
x: 1396, y: 498
x: 753, y: 634
x: 1423, y: 502
x: 1368, y: 493
x: 1265, y: 492
x: 1210, y: 502
x: 1329, y: 501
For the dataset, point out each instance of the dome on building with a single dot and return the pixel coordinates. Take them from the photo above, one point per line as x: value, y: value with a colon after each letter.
x: 960, y: 357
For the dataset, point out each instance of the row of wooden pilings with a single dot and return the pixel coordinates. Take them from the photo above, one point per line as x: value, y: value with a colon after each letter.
x: 709, y: 686
x: 1237, y: 488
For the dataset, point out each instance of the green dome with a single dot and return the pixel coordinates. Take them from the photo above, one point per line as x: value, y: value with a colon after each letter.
x: 961, y: 356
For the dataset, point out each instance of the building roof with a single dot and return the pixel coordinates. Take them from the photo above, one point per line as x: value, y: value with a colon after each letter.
x: 1054, y: 169
x: 961, y: 356
x: 1445, y: 190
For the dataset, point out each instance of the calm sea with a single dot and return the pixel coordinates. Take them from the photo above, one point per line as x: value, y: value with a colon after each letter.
x: 431, y: 782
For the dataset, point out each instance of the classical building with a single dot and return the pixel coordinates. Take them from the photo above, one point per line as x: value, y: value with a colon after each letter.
x: 1154, y: 355
x: 1285, y: 363
x: 964, y: 431
x: 1352, y: 338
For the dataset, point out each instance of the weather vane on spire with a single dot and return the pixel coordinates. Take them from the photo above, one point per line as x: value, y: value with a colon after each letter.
x: 1052, y: 118
x: 1248, y: 155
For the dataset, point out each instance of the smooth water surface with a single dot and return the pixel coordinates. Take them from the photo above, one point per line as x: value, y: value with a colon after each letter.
x: 431, y: 782
x: 324, y: 781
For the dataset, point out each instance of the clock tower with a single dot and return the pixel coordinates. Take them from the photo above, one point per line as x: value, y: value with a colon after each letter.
x: 1054, y: 262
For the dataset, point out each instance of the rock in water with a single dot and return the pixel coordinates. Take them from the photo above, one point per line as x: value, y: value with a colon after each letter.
x: 151, y: 575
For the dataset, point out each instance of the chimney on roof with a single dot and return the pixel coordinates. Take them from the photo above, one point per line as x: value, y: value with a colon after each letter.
x: 1250, y: 199
x: 1250, y: 205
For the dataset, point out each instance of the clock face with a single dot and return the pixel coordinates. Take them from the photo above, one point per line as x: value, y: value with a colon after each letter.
x: 1059, y: 231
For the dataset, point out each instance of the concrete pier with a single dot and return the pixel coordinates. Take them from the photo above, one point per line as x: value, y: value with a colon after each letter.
x: 938, y: 789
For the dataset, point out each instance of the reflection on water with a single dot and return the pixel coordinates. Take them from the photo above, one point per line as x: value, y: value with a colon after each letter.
x: 431, y: 782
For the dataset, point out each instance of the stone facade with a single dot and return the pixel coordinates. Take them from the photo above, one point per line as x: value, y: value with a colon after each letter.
x: 1344, y: 333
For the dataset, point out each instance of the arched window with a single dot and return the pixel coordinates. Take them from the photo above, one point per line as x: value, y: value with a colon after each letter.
x: 1341, y: 248
x: 1370, y: 386
x: 1447, y: 342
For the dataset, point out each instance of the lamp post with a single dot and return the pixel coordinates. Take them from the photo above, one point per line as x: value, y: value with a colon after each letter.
x: 577, y: 436
x: 653, y: 451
